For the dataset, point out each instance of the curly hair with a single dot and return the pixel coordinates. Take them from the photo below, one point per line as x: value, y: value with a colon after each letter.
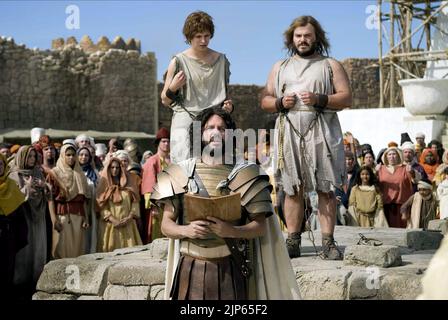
x: 196, y: 22
x: 322, y: 43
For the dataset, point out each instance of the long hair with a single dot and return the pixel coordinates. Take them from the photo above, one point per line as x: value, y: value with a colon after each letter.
x: 372, y: 178
x: 322, y: 43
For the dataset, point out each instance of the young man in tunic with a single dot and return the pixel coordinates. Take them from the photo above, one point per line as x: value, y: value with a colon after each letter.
x: 196, y: 79
x: 307, y: 89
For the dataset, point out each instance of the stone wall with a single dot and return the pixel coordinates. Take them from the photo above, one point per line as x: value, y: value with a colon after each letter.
x: 70, y: 88
x: 364, y: 80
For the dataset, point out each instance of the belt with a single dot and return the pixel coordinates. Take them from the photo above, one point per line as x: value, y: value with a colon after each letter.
x: 195, y: 251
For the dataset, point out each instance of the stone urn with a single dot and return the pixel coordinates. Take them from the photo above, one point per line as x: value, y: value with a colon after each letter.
x: 425, y: 96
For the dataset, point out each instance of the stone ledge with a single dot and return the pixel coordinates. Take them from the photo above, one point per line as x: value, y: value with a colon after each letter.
x: 138, y: 272
x: 76, y: 276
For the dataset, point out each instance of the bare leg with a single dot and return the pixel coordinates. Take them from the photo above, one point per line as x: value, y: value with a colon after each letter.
x: 294, y: 212
x: 327, y: 212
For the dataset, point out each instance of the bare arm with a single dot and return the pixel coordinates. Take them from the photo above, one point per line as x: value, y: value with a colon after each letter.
x: 196, y: 229
x: 343, y: 96
x: 254, y: 229
x: 268, y: 95
x: 172, y: 81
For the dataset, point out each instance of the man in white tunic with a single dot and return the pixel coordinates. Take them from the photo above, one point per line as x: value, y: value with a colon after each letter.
x: 307, y: 89
x: 196, y: 79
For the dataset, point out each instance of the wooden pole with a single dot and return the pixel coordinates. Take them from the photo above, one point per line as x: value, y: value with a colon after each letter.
x: 391, y: 45
x: 408, y: 32
x: 380, y: 56
x: 420, y: 26
x: 428, y: 26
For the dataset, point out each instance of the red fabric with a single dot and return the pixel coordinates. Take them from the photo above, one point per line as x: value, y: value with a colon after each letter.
x: 429, y: 169
x: 150, y: 169
x: 163, y: 133
x: 397, y: 187
x: 75, y: 206
x: 393, y: 216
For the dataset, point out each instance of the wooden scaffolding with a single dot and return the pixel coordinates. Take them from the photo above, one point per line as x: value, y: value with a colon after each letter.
x: 405, y: 57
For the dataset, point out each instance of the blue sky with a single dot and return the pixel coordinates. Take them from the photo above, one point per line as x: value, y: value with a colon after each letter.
x: 249, y: 32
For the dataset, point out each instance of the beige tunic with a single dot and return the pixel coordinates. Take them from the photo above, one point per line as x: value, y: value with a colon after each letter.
x: 205, y: 88
x: 110, y: 237
x: 366, y: 208
x: 317, y: 161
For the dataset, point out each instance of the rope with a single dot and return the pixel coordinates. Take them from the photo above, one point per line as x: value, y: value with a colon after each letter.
x: 305, y: 161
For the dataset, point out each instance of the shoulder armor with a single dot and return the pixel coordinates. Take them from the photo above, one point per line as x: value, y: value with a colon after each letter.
x: 170, y: 182
x: 253, y: 185
x: 245, y: 175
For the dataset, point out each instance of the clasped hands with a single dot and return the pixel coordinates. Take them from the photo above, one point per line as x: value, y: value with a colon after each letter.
x: 119, y: 223
x: 202, y: 228
x: 308, y: 98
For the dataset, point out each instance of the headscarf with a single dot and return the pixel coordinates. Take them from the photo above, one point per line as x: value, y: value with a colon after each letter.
x: 430, y: 169
x: 398, y: 151
x: 10, y: 196
x: 72, y: 180
x: 19, y: 164
x: 21, y: 159
x: 88, y: 168
x: 108, y: 190
x: 147, y: 152
x: 121, y: 155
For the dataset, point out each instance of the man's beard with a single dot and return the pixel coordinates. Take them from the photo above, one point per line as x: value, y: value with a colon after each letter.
x: 50, y: 161
x: 309, y: 52
x: 213, y: 151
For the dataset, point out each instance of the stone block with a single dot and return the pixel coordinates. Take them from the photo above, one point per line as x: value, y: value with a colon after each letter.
x: 114, y: 292
x: 47, y: 296
x: 75, y: 276
x: 159, y: 248
x: 362, y: 285
x: 400, y: 286
x: 439, y: 225
x: 138, y: 272
x: 383, y: 256
x: 323, y: 284
x: 157, y: 292
x: 423, y: 240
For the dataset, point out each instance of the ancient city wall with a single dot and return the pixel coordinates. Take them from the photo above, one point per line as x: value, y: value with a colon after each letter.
x: 104, y: 86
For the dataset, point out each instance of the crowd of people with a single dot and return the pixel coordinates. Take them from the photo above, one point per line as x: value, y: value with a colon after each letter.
x: 63, y: 200
x: 405, y: 187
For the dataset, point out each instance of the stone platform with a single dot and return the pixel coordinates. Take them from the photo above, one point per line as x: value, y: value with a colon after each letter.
x: 138, y: 273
